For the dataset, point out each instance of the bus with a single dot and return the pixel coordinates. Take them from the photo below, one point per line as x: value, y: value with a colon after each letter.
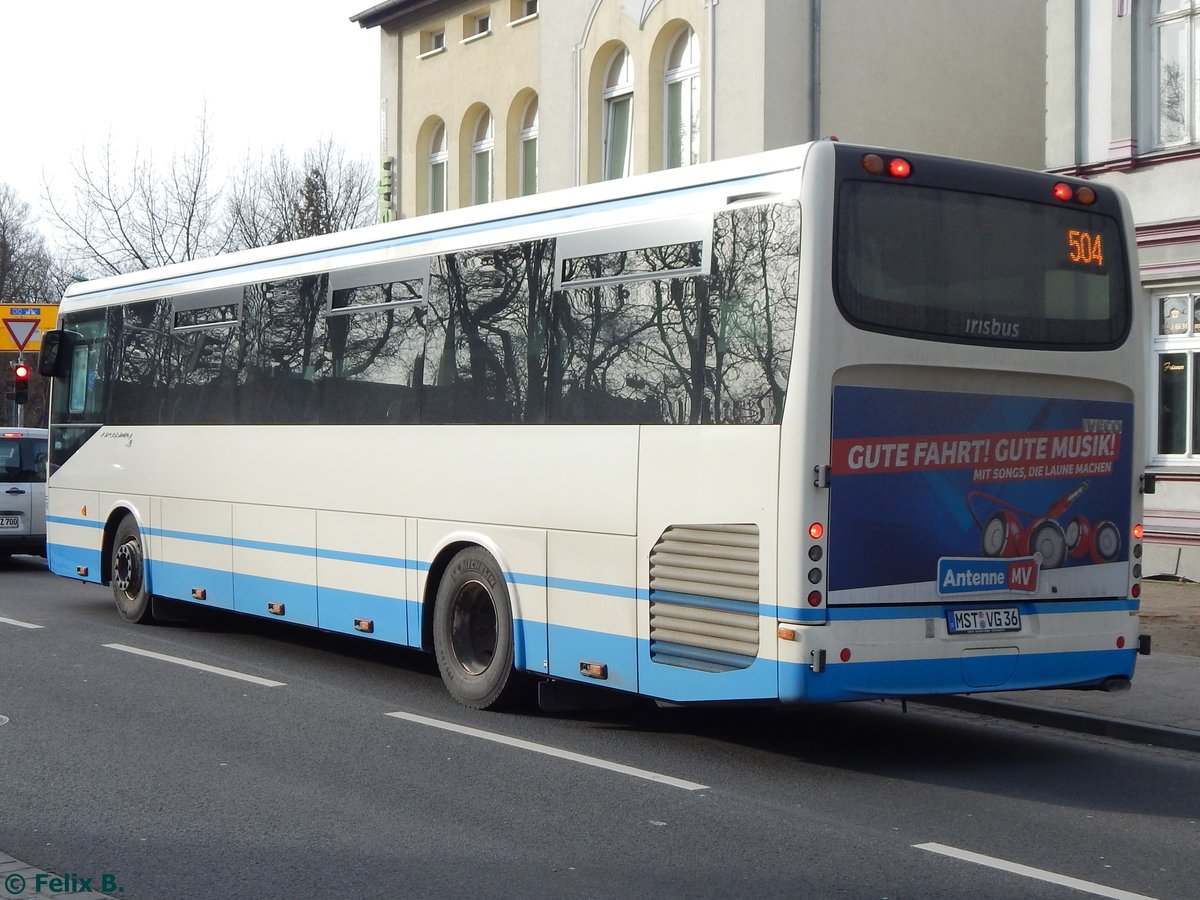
x: 823, y: 423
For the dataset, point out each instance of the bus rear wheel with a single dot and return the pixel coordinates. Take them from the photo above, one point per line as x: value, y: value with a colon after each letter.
x: 129, y: 574
x: 473, y: 632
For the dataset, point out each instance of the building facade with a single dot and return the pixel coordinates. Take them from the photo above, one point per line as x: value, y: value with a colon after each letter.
x: 1123, y: 107
x: 487, y: 99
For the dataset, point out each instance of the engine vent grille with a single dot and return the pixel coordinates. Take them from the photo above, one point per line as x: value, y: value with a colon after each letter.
x: 704, y: 597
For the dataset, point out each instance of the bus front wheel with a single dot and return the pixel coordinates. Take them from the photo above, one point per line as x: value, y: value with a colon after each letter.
x: 129, y: 574
x: 473, y: 631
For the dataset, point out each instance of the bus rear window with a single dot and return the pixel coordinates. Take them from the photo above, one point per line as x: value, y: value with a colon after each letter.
x: 972, y: 268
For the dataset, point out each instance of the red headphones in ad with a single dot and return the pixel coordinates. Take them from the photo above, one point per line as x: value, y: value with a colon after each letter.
x: 1004, y: 535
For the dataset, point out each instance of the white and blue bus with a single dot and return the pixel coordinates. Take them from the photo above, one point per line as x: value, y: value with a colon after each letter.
x: 824, y: 423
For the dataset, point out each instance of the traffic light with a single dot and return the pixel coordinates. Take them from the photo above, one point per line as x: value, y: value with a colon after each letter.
x: 20, y: 383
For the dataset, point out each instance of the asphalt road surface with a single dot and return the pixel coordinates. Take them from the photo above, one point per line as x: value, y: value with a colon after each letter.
x: 304, y: 765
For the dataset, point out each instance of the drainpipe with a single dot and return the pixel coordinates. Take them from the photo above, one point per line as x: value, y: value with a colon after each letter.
x: 712, y: 79
x: 814, y: 74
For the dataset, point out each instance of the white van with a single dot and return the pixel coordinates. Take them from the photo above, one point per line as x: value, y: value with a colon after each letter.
x: 23, y: 453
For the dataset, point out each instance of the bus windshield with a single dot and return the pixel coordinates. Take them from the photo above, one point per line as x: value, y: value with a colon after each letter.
x: 972, y: 268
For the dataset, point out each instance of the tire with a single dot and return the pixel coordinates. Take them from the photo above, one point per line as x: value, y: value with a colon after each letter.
x: 129, y: 574
x: 473, y: 632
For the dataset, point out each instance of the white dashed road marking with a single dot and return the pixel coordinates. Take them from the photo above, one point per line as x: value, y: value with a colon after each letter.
x: 552, y: 751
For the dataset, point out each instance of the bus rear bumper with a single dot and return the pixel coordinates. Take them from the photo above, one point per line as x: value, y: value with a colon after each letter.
x: 969, y: 673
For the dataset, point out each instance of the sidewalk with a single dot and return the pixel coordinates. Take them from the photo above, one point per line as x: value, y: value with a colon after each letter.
x: 1162, y: 708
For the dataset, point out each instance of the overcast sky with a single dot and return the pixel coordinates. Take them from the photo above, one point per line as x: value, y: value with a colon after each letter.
x: 272, y: 73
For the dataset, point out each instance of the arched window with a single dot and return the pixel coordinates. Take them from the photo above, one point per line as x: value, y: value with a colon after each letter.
x: 618, y: 116
x: 437, y: 169
x: 482, y: 146
x: 682, y: 86
x: 529, y: 148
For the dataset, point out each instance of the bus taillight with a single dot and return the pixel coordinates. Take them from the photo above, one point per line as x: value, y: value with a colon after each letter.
x: 897, y: 166
x: 1138, y: 531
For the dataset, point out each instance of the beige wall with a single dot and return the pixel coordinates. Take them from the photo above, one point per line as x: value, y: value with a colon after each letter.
x: 960, y: 77
x: 497, y: 72
x: 957, y: 77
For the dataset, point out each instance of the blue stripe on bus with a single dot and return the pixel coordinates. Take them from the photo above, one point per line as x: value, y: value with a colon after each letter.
x: 929, y: 611
x: 803, y: 615
x: 81, y: 523
x: 698, y: 601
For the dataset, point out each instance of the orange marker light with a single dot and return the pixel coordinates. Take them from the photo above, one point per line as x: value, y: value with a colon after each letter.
x: 1086, y: 196
x: 872, y: 163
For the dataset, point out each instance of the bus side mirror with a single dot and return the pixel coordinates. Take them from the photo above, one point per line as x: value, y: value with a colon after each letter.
x: 55, y: 355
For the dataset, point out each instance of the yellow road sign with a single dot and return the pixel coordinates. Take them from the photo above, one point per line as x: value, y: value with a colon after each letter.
x: 22, y: 325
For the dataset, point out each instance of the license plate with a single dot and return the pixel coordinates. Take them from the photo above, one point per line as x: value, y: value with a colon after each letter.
x: 10, y: 521
x: 982, y: 621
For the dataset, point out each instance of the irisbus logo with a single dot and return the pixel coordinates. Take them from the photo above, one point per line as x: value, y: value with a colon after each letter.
x: 993, y: 327
x: 986, y: 575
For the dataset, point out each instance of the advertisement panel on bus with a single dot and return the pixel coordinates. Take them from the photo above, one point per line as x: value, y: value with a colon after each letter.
x: 948, y: 496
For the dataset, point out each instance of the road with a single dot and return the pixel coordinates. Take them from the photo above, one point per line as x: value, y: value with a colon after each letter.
x: 336, y: 774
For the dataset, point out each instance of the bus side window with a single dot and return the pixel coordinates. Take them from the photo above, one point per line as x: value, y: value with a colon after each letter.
x: 754, y: 283
x: 285, y: 335
x: 486, y: 351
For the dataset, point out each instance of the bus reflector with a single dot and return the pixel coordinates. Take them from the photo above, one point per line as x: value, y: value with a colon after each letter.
x: 899, y: 168
x: 1062, y: 192
x: 844, y: 656
x: 1138, y: 531
x: 1136, y: 591
x: 814, y: 598
x: 816, y: 531
x: 1121, y: 643
x: 786, y: 633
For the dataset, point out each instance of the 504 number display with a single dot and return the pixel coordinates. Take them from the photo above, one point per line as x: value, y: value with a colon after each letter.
x: 1085, y: 248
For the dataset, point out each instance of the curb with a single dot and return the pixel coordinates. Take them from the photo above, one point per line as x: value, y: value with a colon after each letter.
x: 1073, y: 720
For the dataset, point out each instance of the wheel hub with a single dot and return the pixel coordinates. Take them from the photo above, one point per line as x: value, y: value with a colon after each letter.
x: 127, y: 569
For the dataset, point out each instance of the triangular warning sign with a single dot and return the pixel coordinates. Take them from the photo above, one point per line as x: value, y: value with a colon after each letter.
x: 21, y: 330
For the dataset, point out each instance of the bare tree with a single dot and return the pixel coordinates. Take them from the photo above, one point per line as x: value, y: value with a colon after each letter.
x: 280, y: 200
x: 27, y: 271
x: 121, y: 220
x: 29, y: 276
